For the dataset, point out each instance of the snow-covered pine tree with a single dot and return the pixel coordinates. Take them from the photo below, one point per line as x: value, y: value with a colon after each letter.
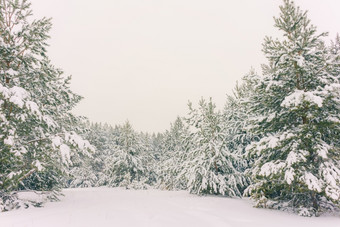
x: 175, y: 146
x: 82, y: 174
x: 126, y: 167
x: 236, y: 116
x: 150, y: 148
x: 35, y: 138
x: 209, y: 165
x: 87, y: 170
x: 157, y: 145
x: 105, y: 139
x: 298, y: 108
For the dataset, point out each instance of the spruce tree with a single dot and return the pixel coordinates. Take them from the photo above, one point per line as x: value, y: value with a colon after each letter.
x: 297, y: 102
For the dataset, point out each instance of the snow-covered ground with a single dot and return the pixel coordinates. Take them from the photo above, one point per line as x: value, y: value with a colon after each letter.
x: 100, y: 207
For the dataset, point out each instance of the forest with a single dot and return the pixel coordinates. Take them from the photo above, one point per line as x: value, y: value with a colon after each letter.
x: 277, y: 139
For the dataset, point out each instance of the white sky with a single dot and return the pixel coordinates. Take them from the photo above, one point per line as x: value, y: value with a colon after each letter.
x: 142, y: 60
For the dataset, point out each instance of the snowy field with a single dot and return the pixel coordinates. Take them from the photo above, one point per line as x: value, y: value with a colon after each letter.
x: 100, y: 207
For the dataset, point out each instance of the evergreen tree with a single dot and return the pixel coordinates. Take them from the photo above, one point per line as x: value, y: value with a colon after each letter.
x: 36, y: 140
x: 149, y: 155
x: 209, y: 166
x: 125, y: 168
x: 236, y: 117
x: 105, y: 139
x: 175, y: 147
x: 298, y: 108
x: 157, y: 145
x: 86, y: 170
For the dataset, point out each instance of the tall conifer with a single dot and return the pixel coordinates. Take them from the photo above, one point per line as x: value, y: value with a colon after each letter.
x: 298, y: 108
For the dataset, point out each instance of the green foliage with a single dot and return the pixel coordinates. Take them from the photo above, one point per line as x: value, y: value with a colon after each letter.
x: 209, y: 166
x: 298, y: 115
x: 176, y: 144
x: 35, y: 104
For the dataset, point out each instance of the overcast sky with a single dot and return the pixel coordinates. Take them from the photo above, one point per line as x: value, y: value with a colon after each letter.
x: 142, y: 60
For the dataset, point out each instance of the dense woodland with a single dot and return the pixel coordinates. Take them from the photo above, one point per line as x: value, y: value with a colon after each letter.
x: 277, y: 140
